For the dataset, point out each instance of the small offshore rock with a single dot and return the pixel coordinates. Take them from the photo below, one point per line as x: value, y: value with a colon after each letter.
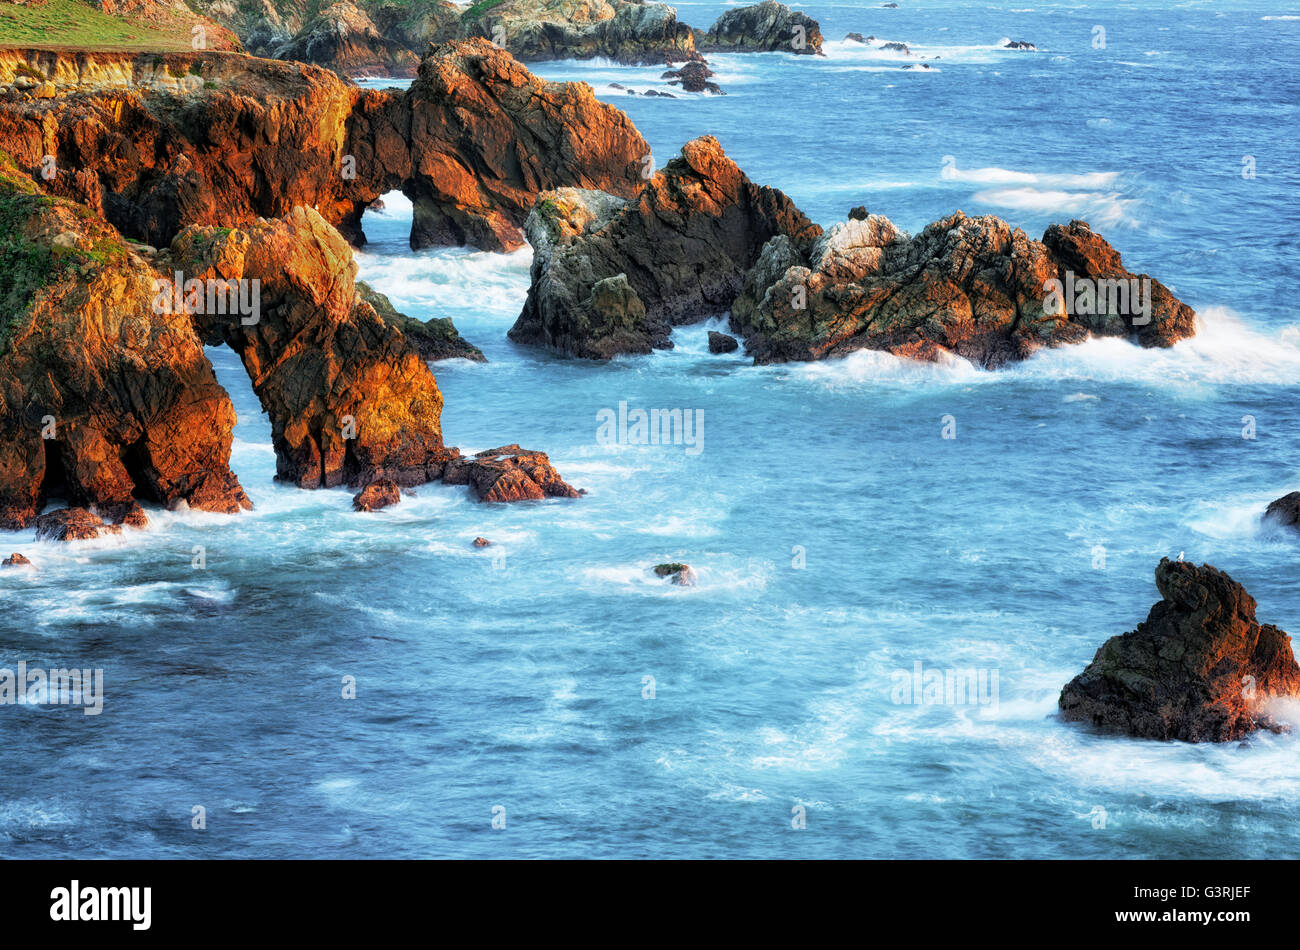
x: 482, y: 543
x: 15, y: 560
x: 72, y: 524
x: 1199, y: 669
x: 381, y: 493
x: 1285, y: 511
x: 682, y: 574
x: 722, y: 342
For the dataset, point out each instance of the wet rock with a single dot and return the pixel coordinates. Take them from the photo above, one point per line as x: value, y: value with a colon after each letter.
x: 612, y: 276
x: 1019, y: 44
x: 975, y: 287
x: 722, y: 342
x: 896, y: 48
x: 681, y: 574
x: 124, y: 513
x: 376, y: 495
x: 858, y: 214
x: 1199, y: 669
x: 767, y: 26
x: 1285, y: 511
x: 855, y: 38
x: 15, y: 560
x: 482, y: 543
x: 435, y: 338
x: 72, y: 524
x: 693, y: 77
x: 509, y: 473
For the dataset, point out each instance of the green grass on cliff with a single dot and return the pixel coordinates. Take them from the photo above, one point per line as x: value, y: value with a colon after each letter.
x: 26, y: 266
x: 480, y: 8
x: 74, y: 23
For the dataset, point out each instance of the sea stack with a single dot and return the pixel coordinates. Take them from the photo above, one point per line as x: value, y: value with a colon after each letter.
x: 1199, y: 669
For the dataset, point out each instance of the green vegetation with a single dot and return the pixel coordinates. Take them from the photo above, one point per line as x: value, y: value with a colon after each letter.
x: 480, y: 8
x: 26, y: 266
x: 78, y: 24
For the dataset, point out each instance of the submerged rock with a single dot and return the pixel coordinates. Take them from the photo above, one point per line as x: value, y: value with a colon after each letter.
x: 767, y: 26
x: 1200, y: 668
x: 72, y: 524
x: 435, y: 338
x: 378, y: 494
x: 681, y: 574
x: 1019, y: 44
x: 975, y: 287
x: 897, y: 48
x: 612, y: 276
x: 693, y: 77
x: 509, y: 473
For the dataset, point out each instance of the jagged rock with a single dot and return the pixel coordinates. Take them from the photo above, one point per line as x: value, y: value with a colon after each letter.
x: 1285, y: 511
x: 72, y: 524
x: 435, y: 338
x: 127, y: 513
x: 102, y: 399
x: 722, y: 342
x: 693, y: 77
x: 509, y: 473
x: 343, y: 38
x: 1200, y: 668
x: 482, y: 543
x: 971, y: 286
x: 859, y: 213
x: 626, y: 31
x: 611, y: 277
x: 1019, y: 44
x: 163, y: 141
x: 15, y: 560
x: 349, y: 398
x: 376, y: 495
x: 855, y: 38
x: 896, y: 48
x: 767, y: 26
x: 682, y: 574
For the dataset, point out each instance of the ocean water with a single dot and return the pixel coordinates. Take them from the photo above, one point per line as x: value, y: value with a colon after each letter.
x: 839, y: 539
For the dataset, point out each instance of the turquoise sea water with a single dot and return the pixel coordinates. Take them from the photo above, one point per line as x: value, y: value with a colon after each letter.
x: 838, y: 538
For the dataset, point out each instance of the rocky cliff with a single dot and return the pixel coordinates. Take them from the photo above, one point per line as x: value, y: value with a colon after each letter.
x: 613, y: 276
x: 104, y: 400
x: 1199, y: 669
x: 162, y: 142
x: 972, y: 286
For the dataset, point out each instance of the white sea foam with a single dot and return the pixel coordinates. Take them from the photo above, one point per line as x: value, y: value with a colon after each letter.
x: 1224, y: 351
